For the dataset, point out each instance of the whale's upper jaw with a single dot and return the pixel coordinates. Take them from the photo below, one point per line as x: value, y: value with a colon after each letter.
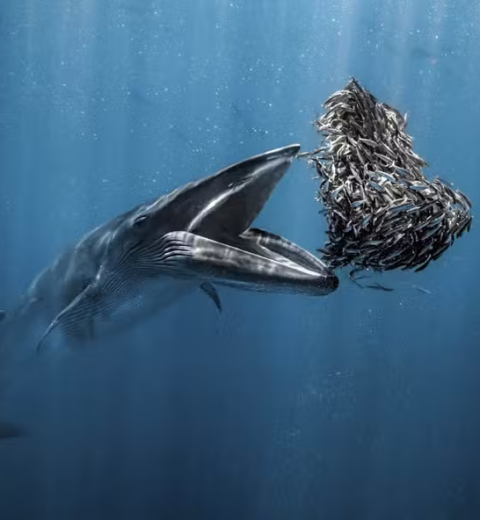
x: 245, y: 189
x: 224, y: 203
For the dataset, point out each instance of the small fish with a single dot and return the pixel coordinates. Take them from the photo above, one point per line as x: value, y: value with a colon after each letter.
x: 343, y: 217
x: 444, y: 181
x: 379, y: 287
x: 425, y: 249
x: 376, y: 186
x: 418, y: 187
x: 358, y: 203
x: 306, y: 154
x: 351, y: 251
x: 431, y: 205
x: 392, y: 255
x: 467, y: 200
x: 430, y: 233
x: 403, y: 172
x: 337, y: 191
x: 424, y: 265
x: 414, y: 209
x: 354, y: 271
x: 403, y: 207
x: 437, y: 220
x: 422, y: 225
x: 421, y: 289
x: 368, y: 142
x: 384, y: 158
x: 440, y: 251
x: 366, y: 220
x: 391, y: 178
x: 362, y: 277
x: 323, y: 251
x: 463, y: 226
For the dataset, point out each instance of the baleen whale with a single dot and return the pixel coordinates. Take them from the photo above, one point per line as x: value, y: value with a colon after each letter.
x: 198, y: 237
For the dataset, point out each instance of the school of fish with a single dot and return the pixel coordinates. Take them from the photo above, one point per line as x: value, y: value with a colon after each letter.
x: 381, y: 210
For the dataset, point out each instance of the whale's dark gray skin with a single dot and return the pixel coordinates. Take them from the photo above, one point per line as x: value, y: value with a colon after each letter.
x: 8, y: 431
x: 196, y: 237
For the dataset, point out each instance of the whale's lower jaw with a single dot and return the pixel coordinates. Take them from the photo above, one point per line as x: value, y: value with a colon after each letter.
x: 256, y: 260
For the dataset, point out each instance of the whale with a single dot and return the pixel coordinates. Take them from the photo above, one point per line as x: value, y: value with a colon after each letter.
x: 198, y: 237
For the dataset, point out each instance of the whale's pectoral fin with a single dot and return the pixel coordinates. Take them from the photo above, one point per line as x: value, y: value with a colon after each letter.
x: 75, y: 321
x: 212, y: 293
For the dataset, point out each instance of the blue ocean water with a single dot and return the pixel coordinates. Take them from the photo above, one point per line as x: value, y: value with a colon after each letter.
x: 358, y: 405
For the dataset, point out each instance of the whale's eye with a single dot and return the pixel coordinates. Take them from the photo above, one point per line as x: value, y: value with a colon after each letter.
x: 139, y: 222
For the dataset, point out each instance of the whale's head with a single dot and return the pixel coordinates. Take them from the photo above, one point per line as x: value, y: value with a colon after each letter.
x: 203, y: 231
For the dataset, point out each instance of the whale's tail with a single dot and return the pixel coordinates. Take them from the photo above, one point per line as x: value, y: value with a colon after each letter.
x: 8, y: 430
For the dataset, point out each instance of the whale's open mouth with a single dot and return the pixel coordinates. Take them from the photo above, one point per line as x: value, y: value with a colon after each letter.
x: 220, y: 246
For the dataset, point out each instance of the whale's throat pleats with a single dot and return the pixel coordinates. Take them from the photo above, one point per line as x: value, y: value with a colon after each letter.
x: 113, y: 304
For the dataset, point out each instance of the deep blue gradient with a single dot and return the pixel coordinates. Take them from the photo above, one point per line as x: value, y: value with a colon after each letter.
x: 360, y: 405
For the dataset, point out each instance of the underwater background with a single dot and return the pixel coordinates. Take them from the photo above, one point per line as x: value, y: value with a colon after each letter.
x: 359, y: 405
